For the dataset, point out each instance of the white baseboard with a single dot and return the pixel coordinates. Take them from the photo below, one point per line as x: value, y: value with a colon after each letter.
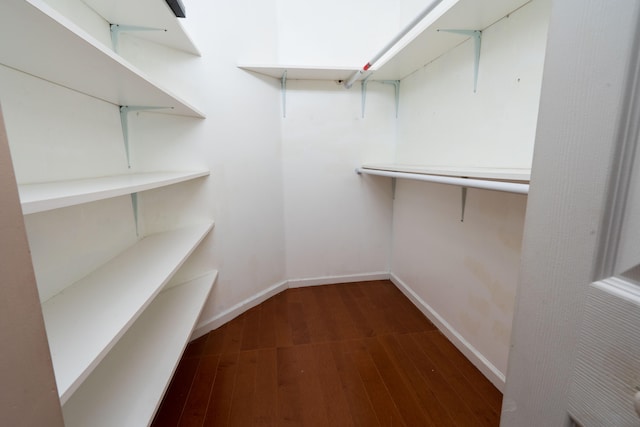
x: 470, y: 352
x: 216, y: 321
x: 331, y: 280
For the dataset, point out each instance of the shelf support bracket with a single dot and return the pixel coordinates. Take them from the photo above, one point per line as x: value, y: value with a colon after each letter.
x: 365, y: 82
x: 124, y: 121
x: 393, y: 184
x: 283, y: 87
x: 134, y: 206
x: 393, y: 187
x: 477, y: 40
x: 116, y: 29
x: 464, y: 203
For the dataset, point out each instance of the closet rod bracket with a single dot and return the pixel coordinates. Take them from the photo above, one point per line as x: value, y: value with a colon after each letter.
x: 116, y: 29
x: 134, y: 206
x: 464, y: 203
x: 477, y: 42
x: 283, y: 88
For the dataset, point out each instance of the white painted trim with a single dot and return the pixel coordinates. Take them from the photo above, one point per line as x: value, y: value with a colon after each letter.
x: 482, y: 363
x: 331, y: 280
x: 218, y: 320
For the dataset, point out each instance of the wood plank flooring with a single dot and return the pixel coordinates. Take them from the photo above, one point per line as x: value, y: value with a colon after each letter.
x: 354, y: 354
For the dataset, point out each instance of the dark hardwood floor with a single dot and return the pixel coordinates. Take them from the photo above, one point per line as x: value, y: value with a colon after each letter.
x: 354, y: 354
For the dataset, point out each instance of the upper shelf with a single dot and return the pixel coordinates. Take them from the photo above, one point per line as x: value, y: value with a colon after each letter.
x: 47, y: 45
x: 424, y: 43
x: 497, y: 179
x: 298, y: 72
x: 146, y: 13
x: 420, y: 46
x: 85, y: 321
x: 54, y: 195
x: 498, y: 174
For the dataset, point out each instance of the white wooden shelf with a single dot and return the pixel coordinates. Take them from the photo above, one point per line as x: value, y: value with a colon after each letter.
x: 296, y: 72
x: 84, y: 321
x: 150, y: 14
x: 54, y: 195
x: 424, y: 44
x: 47, y: 45
x: 497, y: 179
x: 501, y: 174
x: 127, y: 387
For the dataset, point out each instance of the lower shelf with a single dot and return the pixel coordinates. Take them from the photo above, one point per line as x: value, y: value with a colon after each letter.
x: 128, y: 385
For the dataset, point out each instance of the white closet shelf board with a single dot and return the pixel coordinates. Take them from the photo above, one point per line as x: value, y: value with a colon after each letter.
x: 424, y: 43
x: 85, y: 321
x: 127, y: 387
x: 47, y: 45
x: 499, y: 174
x: 297, y: 72
x: 150, y: 14
x: 496, y: 179
x: 54, y: 195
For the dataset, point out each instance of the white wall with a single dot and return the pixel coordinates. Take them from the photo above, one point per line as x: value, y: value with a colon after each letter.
x: 337, y: 223
x: 334, y: 32
x: 466, y: 272
x: 338, y: 226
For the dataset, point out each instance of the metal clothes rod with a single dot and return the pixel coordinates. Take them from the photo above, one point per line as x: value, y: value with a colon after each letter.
x: 392, y: 43
x: 509, y: 187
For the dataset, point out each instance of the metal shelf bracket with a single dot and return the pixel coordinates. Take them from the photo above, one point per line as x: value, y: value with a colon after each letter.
x: 477, y: 38
x: 365, y: 82
x: 116, y: 29
x: 124, y: 121
x: 283, y: 87
x: 134, y: 206
x: 464, y: 203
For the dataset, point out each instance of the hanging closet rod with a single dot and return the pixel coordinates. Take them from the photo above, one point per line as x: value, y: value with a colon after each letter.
x: 393, y: 42
x: 510, y: 187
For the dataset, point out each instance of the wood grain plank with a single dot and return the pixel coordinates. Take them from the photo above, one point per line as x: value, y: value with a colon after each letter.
x: 484, y: 414
x: 349, y: 296
x: 402, y: 393
x: 233, y: 335
x: 299, y: 328
x: 219, y: 406
x: 215, y: 341
x: 267, y: 332
x: 318, y: 323
x: 284, y: 337
x: 265, y: 404
x: 426, y: 396
x: 461, y: 415
x: 362, y: 412
x: 480, y: 383
x: 242, y: 402
x: 337, y: 407
x: 197, y: 402
x: 195, y: 348
x: 251, y: 329
x: 313, y: 407
x: 383, y: 403
x: 289, y: 403
x: 330, y: 301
